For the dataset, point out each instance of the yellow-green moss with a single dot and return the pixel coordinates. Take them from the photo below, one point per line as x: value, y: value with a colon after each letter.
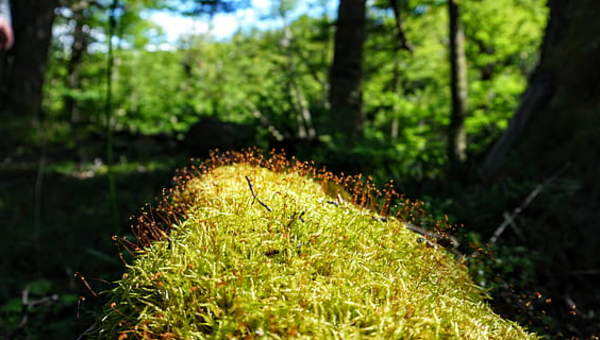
x: 303, y: 265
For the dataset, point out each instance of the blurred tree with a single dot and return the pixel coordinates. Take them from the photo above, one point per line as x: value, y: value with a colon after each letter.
x: 556, y: 117
x: 558, y: 123
x: 502, y: 47
x: 81, y: 35
x: 23, y: 68
x: 457, y: 137
x: 303, y: 115
x: 346, y: 75
x: 402, y: 41
x: 557, y: 110
x: 248, y: 78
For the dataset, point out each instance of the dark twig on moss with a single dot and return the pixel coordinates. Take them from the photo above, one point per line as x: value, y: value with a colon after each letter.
x: 295, y: 216
x: 256, y: 197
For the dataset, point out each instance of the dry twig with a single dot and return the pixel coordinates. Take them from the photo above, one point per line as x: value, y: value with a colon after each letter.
x: 509, y: 218
x: 256, y: 197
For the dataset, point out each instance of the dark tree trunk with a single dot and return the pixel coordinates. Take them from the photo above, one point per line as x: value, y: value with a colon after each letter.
x: 401, y: 39
x: 22, y: 69
x: 558, y: 122
x: 345, y: 94
x: 559, y: 112
x: 457, y: 138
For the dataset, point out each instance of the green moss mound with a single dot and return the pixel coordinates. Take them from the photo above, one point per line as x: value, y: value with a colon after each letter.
x: 264, y: 254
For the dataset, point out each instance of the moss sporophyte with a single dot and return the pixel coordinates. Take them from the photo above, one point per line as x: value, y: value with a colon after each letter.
x: 251, y: 247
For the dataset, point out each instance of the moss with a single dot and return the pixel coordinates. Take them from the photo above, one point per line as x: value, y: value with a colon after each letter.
x: 264, y: 254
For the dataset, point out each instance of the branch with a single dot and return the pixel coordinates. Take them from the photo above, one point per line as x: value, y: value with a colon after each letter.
x: 311, y: 68
x: 85, y: 283
x: 510, y: 217
x: 87, y: 332
x: 256, y: 197
x: 26, y: 302
x: 278, y: 135
x: 403, y: 43
x: 447, y: 240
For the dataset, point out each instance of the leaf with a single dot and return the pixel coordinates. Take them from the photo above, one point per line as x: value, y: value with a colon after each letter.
x: 12, y: 306
x: 68, y: 299
x: 39, y: 287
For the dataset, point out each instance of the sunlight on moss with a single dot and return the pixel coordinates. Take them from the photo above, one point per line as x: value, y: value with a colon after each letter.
x: 270, y: 255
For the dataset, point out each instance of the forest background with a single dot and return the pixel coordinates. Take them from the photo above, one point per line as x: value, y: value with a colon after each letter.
x: 487, y: 111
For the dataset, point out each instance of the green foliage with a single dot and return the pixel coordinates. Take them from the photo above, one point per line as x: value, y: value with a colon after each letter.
x: 37, y: 311
x: 252, y: 76
x: 407, y: 94
x: 267, y: 78
x: 297, y: 264
x: 73, y: 237
x: 503, y: 39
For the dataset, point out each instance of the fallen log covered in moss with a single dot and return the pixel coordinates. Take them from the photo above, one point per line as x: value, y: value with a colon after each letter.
x: 253, y: 248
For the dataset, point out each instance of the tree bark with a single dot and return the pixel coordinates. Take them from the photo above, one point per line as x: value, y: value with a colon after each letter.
x: 345, y: 94
x: 22, y: 69
x: 558, y: 113
x: 457, y: 138
x: 558, y: 123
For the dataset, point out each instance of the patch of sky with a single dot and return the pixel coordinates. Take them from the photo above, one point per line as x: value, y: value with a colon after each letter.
x: 261, y: 15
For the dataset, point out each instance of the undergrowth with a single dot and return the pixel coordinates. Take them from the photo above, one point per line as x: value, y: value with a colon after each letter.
x: 251, y: 247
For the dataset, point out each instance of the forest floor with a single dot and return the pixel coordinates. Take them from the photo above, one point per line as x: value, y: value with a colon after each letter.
x: 56, y: 223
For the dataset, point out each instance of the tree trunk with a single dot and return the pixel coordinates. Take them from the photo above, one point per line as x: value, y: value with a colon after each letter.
x: 401, y: 40
x: 457, y: 138
x: 345, y: 94
x: 558, y: 115
x: 78, y: 50
x: 558, y: 122
x: 305, y: 128
x: 22, y: 69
